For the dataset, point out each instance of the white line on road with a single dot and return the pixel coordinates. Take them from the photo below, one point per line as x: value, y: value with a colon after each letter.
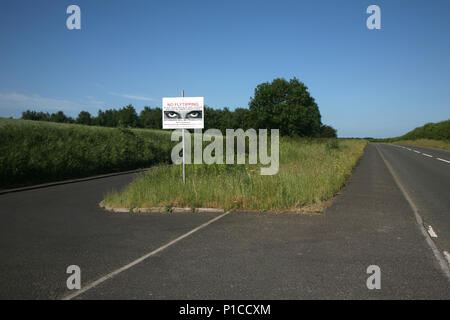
x: 139, y: 260
x: 447, y: 256
x: 431, y: 232
x: 427, y: 155
x: 416, y: 151
x: 437, y: 254
x: 443, y: 160
x: 409, y: 149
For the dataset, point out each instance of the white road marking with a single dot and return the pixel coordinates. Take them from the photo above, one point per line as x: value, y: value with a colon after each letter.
x: 445, y: 267
x: 416, y: 151
x: 427, y: 155
x: 409, y: 149
x: 447, y: 256
x: 431, y: 232
x: 443, y: 160
x: 110, y: 275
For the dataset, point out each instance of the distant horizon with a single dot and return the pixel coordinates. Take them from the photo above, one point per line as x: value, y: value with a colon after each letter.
x: 341, y: 137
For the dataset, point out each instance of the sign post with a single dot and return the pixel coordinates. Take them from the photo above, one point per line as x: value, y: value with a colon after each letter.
x: 183, y: 113
x: 184, y: 147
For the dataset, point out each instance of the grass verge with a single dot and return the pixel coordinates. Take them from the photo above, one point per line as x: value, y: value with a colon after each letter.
x: 311, y: 172
x: 440, y: 144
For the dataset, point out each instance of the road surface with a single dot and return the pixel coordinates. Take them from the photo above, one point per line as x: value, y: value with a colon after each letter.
x: 238, y: 255
x: 425, y: 172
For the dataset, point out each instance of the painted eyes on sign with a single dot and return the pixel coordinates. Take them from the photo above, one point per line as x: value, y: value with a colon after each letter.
x: 172, y: 115
x: 194, y: 115
x: 190, y: 115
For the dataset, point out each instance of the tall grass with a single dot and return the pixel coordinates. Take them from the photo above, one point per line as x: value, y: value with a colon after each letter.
x: 34, y: 151
x: 311, y: 171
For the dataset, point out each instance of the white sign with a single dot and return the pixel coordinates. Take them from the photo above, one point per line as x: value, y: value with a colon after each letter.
x: 183, y: 113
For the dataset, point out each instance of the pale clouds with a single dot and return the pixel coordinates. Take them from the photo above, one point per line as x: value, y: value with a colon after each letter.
x: 12, y: 103
x: 133, y: 97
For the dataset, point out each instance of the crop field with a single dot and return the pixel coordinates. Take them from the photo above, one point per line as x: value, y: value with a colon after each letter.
x: 311, y: 172
x: 34, y: 151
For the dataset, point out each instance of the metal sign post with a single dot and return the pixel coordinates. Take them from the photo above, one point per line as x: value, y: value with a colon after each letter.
x: 184, y: 146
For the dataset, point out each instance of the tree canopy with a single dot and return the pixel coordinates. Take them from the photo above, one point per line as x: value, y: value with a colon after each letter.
x: 286, y: 105
x: 280, y: 104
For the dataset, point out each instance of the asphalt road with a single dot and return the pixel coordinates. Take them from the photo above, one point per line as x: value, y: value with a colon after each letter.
x: 426, y: 177
x: 240, y: 255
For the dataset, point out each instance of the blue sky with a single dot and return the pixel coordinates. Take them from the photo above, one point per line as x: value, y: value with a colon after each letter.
x: 378, y: 83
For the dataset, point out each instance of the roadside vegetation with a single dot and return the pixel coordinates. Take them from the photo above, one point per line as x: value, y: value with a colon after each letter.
x: 280, y: 104
x: 43, y: 147
x: 311, y: 172
x: 35, y: 151
x: 435, y: 135
x: 439, y: 144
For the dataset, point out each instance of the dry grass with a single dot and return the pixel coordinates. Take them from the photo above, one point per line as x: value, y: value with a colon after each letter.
x: 439, y: 144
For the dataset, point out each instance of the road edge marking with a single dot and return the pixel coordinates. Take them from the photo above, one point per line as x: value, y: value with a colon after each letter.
x: 447, y: 256
x: 443, y: 160
x: 112, y: 274
x: 72, y: 181
x: 431, y: 232
x: 441, y: 260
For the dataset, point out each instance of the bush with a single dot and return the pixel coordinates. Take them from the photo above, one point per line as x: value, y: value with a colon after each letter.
x: 327, y: 132
x: 332, y: 144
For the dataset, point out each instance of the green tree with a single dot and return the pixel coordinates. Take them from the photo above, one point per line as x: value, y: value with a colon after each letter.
x: 127, y: 117
x: 60, y: 117
x: 212, y: 118
x: 84, y: 117
x: 33, y: 115
x: 150, y: 118
x: 107, y: 118
x: 285, y: 105
x: 328, y: 132
x: 241, y: 118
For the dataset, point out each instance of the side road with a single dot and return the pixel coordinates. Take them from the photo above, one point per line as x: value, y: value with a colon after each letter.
x: 43, y: 231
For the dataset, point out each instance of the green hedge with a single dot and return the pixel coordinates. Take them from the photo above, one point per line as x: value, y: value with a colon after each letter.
x: 34, y: 151
x: 432, y: 131
x: 436, y: 131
